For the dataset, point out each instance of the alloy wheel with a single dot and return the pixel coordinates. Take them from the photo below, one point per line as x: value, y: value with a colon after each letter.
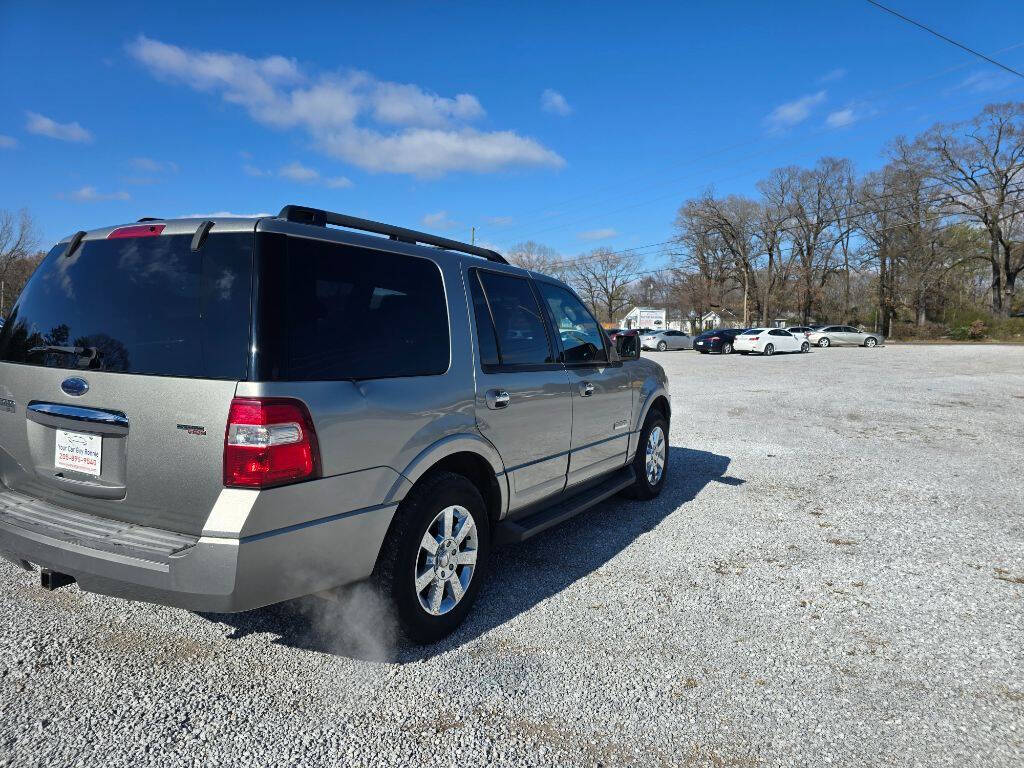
x: 446, y: 560
x: 655, y: 465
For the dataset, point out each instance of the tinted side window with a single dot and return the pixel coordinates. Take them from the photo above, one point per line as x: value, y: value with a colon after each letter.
x: 580, y: 333
x: 329, y: 311
x: 521, y: 336
x: 486, y: 336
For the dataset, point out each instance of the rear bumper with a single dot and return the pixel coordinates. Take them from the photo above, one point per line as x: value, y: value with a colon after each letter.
x: 205, y: 573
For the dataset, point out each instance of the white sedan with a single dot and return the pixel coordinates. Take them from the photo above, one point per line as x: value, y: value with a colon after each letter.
x: 768, y: 341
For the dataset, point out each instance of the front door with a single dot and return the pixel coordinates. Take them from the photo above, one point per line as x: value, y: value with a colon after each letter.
x: 602, y: 399
x: 523, y: 403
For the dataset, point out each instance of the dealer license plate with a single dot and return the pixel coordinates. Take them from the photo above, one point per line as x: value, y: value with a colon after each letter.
x: 78, y: 452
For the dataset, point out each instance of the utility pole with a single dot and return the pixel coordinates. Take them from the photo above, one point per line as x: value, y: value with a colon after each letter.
x: 472, y: 235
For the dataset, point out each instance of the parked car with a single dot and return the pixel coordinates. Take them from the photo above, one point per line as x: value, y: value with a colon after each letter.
x: 768, y: 341
x: 720, y: 340
x: 837, y: 335
x: 210, y: 440
x: 798, y: 330
x: 663, y: 340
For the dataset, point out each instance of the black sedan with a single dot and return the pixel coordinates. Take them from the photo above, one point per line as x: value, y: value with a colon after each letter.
x: 719, y: 340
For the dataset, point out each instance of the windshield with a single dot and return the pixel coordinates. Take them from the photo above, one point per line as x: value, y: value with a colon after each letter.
x: 752, y: 332
x: 138, y: 305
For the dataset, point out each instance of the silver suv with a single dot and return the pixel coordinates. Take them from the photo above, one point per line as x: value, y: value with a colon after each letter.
x: 223, y: 414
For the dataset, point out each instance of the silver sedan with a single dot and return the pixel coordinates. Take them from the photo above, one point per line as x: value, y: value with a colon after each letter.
x: 839, y: 335
x: 663, y: 340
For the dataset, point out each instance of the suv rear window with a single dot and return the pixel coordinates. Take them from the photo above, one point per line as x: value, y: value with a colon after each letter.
x: 328, y: 311
x: 138, y: 305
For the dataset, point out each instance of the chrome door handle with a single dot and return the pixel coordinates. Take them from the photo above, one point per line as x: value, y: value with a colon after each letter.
x: 497, y: 398
x: 586, y: 389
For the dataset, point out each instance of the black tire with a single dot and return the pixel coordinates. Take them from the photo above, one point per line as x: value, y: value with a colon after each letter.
x: 703, y: 351
x: 662, y: 346
x: 396, y: 565
x: 769, y: 350
x: 823, y: 342
x: 805, y: 347
x: 727, y: 349
x: 643, y: 489
x: 870, y: 341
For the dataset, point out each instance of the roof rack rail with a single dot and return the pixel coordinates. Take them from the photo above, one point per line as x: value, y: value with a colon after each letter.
x: 320, y: 218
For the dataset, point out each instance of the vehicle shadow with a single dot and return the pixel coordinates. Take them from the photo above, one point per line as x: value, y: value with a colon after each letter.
x: 356, y: 624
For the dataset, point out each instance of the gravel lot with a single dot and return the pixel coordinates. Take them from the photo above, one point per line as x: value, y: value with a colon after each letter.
x: 834, y: 574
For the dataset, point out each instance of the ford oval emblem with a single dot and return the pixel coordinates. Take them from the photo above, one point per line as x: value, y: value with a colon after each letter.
x: 75, y: 386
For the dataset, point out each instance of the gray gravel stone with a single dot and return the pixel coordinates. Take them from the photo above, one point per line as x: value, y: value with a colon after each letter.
x: 833, y: 575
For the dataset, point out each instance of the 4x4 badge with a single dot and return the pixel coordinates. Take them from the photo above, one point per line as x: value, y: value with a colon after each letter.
x: 75, y: 386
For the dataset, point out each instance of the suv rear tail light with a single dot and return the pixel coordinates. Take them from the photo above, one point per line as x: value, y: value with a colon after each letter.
x: 140, y: 230
x: 269, y: 441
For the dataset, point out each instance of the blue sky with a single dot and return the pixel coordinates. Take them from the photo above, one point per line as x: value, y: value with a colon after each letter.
x: 576, y: 125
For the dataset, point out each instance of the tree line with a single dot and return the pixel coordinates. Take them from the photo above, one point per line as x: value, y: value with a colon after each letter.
x: 937, y: 230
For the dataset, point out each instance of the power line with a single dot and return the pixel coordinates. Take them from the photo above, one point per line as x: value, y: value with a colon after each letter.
x: 949, y: 40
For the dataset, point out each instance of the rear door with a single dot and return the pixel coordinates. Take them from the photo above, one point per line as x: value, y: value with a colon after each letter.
x: 523, y: 404
x: 117, y: 368
x: 602, y: 399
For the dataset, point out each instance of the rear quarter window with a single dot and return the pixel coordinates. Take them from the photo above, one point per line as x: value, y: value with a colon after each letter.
x: 330, y: 311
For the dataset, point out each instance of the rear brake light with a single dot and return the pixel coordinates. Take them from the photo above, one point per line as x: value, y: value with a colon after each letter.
x: 754, y: 338
x: 269, y: 441
x: 140, y: 230
x: 715, y: 338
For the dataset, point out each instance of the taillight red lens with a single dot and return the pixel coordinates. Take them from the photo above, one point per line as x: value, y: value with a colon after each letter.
x: 142, y: 230
x: 714, y: 338
x: 269, y: 441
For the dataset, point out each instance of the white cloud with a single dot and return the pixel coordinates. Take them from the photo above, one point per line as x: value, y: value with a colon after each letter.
x: 439, y: 220
x: 7, y: 142
x: 985, y: 81
x: 41, y: 125
x: 434, y: 152
x: 598, y: 234
x: 840, y: 118
x: 500, y: 221
x: 149, y: 165
x: 373, y: 124
x: 794, y: 112
x: 554, y: 102
x: 832, y: 75
x: 252, y: 170
x: 299, y: 172
x: 89, y: 194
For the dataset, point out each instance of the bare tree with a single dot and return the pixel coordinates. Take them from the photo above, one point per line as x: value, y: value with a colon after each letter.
x: 536, y: 257
x: 18, y: 240
x: 813, y: 226
x: 603, y: 278
x: 770, y: 231
x: 981, y: 167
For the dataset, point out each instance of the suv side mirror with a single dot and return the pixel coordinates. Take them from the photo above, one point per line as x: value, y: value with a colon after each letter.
x: 628, y: 347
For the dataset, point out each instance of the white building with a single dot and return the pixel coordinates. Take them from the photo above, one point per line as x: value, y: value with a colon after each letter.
x: 644, y: 317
